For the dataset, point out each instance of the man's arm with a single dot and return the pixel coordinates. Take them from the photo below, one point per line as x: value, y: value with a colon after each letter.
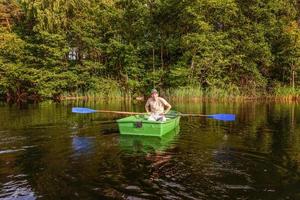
x: 147, y: 107
x: 166, y: 104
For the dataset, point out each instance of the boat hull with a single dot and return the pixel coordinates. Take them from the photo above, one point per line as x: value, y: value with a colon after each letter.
x: 140, y: 125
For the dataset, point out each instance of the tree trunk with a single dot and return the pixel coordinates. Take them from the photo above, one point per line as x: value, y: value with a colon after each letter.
x: 293, y: 77
x: 153, y: 53
x: 153, y: 65
x: 8, y: 24
x: 125, y: 77
x: 162, y: 56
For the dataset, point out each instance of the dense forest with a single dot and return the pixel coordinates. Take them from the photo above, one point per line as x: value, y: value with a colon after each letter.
x: 53, y: 48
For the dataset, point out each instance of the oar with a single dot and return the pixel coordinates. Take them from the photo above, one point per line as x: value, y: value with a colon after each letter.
x: 223, y: 117
x: 88, y: 110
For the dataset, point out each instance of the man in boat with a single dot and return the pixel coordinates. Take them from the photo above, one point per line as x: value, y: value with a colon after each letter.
x: 157, y: 107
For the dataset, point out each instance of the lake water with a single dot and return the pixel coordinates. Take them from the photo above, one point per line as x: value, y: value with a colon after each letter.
x: 47, y: 152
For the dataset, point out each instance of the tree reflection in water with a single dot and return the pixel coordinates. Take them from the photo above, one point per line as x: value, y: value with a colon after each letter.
x: 82, y: 145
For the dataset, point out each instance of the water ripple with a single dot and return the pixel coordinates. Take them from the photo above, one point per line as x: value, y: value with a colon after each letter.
x: 23, y: 148
x: 17, y: 189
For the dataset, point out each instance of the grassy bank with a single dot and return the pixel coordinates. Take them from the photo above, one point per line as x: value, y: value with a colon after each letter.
x: 234, y: 94
x: 197, y: 93
x: 113, y: 94
x: 193, y: 94
x: 287, y: 93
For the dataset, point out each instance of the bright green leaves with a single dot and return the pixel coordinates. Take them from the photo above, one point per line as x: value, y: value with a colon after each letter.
x: 52, y: 16
x: 11, y: 46
x: 48, y: 48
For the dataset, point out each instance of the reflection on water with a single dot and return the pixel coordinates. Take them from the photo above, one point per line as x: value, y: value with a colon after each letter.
x: 17, y: 189
x: 82, y: 145
x: 148, y: 144
x: 47, y: 152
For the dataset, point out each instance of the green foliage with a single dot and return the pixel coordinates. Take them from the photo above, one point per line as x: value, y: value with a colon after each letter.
x: 220, y: 47
x: 286, y: 91
x: 187, y: 92
x: 45, y: 50
x: 179, y: 76
x: 11, y: 46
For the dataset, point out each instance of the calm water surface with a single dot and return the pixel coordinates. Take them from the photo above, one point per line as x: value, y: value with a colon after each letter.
x: 47, y: 152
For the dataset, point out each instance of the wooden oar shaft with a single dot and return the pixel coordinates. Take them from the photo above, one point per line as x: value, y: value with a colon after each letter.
x: 141, y: 113
x: 120, y: 112
x: 192, y: 115
x: 221, y: 116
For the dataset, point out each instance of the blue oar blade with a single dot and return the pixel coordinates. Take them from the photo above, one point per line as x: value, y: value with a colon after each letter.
x: 82, y: 110
x: 224, y: 117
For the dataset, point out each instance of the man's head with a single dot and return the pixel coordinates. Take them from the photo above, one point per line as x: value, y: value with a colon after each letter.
x: 154, y: 93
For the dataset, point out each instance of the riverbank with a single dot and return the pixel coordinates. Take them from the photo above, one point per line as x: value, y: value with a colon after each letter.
x: 193, y: 94
x: 284, y: 94
x: 191, y: 99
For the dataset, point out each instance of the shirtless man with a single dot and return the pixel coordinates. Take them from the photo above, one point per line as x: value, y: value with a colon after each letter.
x: 157, y: 107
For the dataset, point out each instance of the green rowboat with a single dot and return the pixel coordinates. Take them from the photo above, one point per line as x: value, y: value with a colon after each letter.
x: 140, y: 125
